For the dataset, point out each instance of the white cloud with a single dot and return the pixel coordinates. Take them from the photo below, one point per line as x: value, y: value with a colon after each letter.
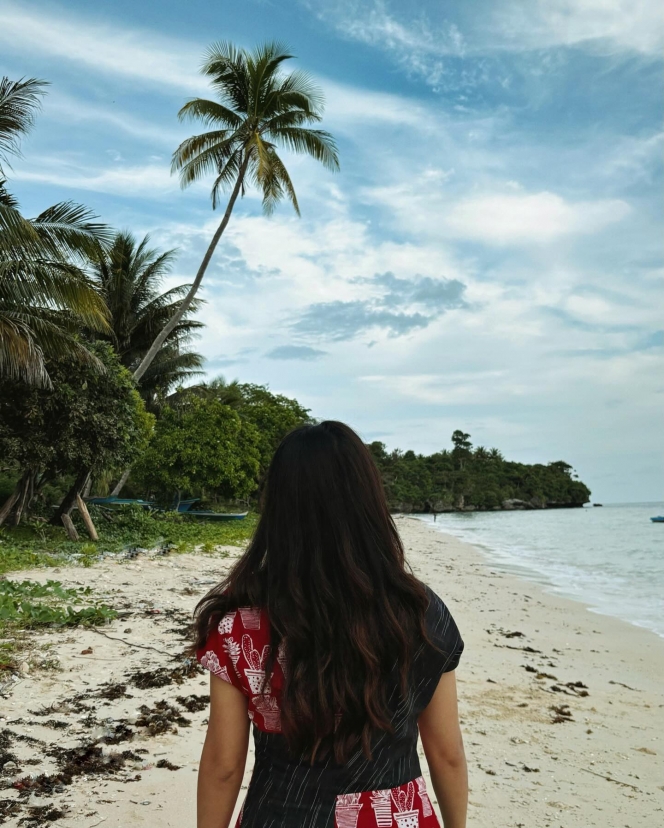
x: 421, y: 46
x: 346, y: 106
x: 537, y: 218
x: 417, y: 46
x: 61, y: 107
x: 102, y: 47
x: 433, y: 202
x: 148, y: 181
x: 623, y: 24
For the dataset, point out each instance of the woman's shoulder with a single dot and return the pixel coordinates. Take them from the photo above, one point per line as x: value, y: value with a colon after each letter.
x: 437, y: 607
x: 244, y: 620
x: 442, y: 629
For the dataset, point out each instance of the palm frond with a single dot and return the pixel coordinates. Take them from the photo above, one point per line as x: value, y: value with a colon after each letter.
x: 19, y: 102
x: 227, y: 176
x: 38, y: 331
x: 211, y: 113
x: 226, y: 66
x: 201, y: 155
x: 262, y: 65
x: 281, y: 173
x: 6, y: 198
x: 70, y: 230
x: 290, y: 118
x: 16, y: 232
x: 59, y: 285
x: 20, y: 356
x: 314, y: 142
x: 298, y: 89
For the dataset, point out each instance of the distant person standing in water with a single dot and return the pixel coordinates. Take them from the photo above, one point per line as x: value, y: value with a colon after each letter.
x: 339, y: 656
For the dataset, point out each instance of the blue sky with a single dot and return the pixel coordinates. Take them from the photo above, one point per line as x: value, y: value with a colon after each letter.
x: 488, y: 258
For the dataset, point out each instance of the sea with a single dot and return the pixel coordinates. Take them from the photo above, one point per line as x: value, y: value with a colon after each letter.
x: 611, y: 558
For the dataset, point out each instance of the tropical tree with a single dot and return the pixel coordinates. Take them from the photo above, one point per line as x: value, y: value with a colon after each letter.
x: 258, y: 109
x: 129, y: 275
x: 202, y: 446
x: 273, y: 415
x: 227, y: 393
x: 86, y: 422
x: 45, y: 294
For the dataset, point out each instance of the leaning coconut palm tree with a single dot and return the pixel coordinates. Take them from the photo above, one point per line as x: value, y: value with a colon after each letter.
x: 45, y: 295
x: 129, y: 275
x: 259, y: 109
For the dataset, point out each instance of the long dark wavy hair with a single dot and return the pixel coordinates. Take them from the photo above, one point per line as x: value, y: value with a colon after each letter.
x: 327, y: 563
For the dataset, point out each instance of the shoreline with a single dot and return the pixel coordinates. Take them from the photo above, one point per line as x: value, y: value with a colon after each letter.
x: 523, y: 557
x: 540, y: 752
x: 536, y: 755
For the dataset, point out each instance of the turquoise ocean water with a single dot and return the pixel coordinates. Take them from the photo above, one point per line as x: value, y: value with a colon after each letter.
x: 611, y: 558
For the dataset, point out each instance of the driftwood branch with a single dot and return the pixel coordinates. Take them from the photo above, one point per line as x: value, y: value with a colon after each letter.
x: 610, y: 779
x: 131, y: 643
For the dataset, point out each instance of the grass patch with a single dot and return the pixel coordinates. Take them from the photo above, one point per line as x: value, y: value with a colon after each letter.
x: 37, y: 544
x: 28, y: 604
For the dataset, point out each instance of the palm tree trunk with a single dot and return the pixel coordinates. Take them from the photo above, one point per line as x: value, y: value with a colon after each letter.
x: 120, y: 484
x: 20, y: 498
x: 8, y: 505
x: 24, y: 496
x: 177, y: 316
x: 69, y: 500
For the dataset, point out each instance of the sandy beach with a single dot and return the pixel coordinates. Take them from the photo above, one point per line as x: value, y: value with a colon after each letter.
x: 562, y: 709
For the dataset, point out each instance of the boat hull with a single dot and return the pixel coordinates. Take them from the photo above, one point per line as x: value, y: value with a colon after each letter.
x: 216, y: 516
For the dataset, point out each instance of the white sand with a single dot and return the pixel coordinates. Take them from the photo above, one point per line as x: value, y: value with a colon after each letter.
x: 603, y: 768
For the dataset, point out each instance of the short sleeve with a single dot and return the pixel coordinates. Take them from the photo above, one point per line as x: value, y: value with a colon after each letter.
x: 430, y: 662
x: 221, y: 652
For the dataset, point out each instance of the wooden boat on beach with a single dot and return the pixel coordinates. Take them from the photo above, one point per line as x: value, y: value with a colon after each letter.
x: 209, y: 515
x: 112, y: 502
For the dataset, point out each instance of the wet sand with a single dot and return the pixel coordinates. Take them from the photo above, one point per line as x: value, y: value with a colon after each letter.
x: 563, y: 709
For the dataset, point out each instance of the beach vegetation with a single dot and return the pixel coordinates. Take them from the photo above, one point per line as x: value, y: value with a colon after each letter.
x: 36, y: 544
x: 32, y: 604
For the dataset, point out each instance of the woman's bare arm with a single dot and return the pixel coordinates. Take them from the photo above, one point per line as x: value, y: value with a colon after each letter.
x: 443, y: 747
x: 224, y: 755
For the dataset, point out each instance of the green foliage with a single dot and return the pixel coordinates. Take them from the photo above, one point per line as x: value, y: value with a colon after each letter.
x: 129, y: 275
x: 203, y: 444
x: 273, y: 416
x: 189, y: 452
x: 31, y: 604
x: 472, y: 478
x: 86, y: 419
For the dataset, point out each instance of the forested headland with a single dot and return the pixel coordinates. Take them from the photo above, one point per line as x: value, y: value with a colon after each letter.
x: 468, y: 478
